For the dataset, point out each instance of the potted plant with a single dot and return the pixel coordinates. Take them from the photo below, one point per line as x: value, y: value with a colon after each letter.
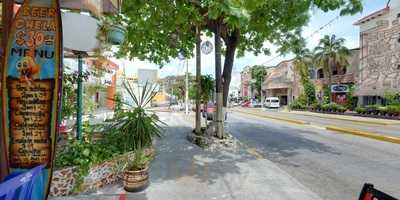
x: 112, y: 31
x: 134, y: 129
x: 136, y: 174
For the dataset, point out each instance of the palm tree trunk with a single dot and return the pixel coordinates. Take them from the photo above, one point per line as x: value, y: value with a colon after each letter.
x: 329, y: 71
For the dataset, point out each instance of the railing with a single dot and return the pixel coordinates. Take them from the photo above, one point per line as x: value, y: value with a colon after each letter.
x: 20, y: 187
x: 346, y: 78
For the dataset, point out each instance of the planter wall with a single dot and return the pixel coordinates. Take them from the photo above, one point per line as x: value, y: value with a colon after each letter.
x: 64, y: 180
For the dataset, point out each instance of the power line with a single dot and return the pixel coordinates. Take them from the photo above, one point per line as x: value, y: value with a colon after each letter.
x: 308, y: 37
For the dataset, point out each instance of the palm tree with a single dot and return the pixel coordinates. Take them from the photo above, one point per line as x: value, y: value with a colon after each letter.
x: 303, y: 63
x: 331, y: 53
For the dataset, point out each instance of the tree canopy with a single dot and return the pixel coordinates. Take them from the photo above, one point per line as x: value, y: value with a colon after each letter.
x: 159, y: 30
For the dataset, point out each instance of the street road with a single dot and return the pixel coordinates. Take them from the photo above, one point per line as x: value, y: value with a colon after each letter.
x: 392, y: 130
x: 335, y: 166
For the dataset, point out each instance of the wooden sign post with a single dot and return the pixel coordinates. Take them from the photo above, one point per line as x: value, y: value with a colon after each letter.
x: 31, y: 86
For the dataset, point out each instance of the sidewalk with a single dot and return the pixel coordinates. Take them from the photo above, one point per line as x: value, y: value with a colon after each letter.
x: 183, y: 171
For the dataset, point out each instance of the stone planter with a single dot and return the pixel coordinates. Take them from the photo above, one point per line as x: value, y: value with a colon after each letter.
x: 64, y: 180
x: 135, y: 181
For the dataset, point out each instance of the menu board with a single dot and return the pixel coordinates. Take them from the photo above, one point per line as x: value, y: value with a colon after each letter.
x: 29, y: 119
x: 31, y: 90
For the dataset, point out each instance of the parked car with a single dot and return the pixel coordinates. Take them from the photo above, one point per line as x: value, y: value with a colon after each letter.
x: 246, y: 104
x: 272, y: 102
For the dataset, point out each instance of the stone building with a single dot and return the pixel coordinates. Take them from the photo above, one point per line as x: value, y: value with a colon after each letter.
x: 282, y: 81
x: 380, y: 54
x: 343, y: 78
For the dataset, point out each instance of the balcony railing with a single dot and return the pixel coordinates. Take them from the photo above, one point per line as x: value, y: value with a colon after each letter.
x: 346, y: 78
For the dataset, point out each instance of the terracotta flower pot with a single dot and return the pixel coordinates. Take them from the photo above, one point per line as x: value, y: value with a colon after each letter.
x: 135, y: 181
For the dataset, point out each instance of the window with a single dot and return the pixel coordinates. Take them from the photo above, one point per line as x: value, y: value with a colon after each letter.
x: 311, y: 74
x: 398, y: 15
x: 320, y: 73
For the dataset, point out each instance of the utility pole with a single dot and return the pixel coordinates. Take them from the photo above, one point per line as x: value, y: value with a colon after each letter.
x: 187, y: 88
x: 79, y: 95
x: 198, y: 80
x: 218, y: 81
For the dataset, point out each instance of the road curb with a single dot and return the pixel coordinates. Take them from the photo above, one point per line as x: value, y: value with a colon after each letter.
x: 348, y: 119
x: 366, y: 134
x: 275, y: 118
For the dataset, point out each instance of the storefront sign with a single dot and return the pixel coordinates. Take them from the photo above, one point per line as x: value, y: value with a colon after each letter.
x: 31, y: 89
x: 339, y: 88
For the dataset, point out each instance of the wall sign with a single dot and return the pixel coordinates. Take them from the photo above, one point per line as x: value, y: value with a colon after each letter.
x: 31, y: 89
x: 338, y: 88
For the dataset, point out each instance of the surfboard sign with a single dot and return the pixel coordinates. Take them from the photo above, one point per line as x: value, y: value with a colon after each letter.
x: 31, y: 89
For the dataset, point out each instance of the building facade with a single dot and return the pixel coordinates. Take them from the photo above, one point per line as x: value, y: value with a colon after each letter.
x: 343, y: 79
x: 379, y: 55
x: 282, y: 81
x: 245, y: 79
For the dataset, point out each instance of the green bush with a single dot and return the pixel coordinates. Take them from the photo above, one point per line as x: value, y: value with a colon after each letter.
x: 309, y: 92
x: 83, y: 154
x: 393, y: 110
x: 361, y: 110
x: 299, y: 103
x: 341, y: 109
x: 382, y: 110
x: 297, y: 106
x: 372, y: 109
x: 325, y: 107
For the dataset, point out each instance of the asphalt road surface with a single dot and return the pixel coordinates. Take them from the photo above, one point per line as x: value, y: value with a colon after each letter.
x: 335, y: 166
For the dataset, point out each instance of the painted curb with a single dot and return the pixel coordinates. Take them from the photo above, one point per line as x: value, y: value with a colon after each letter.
x: 352, y: 120
x: 275, y: 118
x: 366, y: 134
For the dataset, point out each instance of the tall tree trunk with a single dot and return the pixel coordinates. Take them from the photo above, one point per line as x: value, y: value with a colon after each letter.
x: 198, y: 81
x: 231, y: 44
x: 329, y: 76
x: 218, y: 81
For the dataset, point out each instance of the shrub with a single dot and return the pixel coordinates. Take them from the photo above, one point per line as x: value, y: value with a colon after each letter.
x: 297, y: 106
x: 325, y: 107
x: 393, y: 110
x: 341, y: 109
x: 309, y: 91
x: 361, y: 110
x: 333, y: 107
x: 299, y: 103
x: 382, y: 110
x: 316, y: 106
x: 372, y: 109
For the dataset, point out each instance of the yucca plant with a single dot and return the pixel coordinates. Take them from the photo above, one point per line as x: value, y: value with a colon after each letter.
x: 135, y: 128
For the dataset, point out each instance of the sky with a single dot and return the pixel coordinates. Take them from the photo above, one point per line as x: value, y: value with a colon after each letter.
x: 342, y: 27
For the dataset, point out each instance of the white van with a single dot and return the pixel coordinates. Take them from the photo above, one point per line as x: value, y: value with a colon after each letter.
x: 272, y: 102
